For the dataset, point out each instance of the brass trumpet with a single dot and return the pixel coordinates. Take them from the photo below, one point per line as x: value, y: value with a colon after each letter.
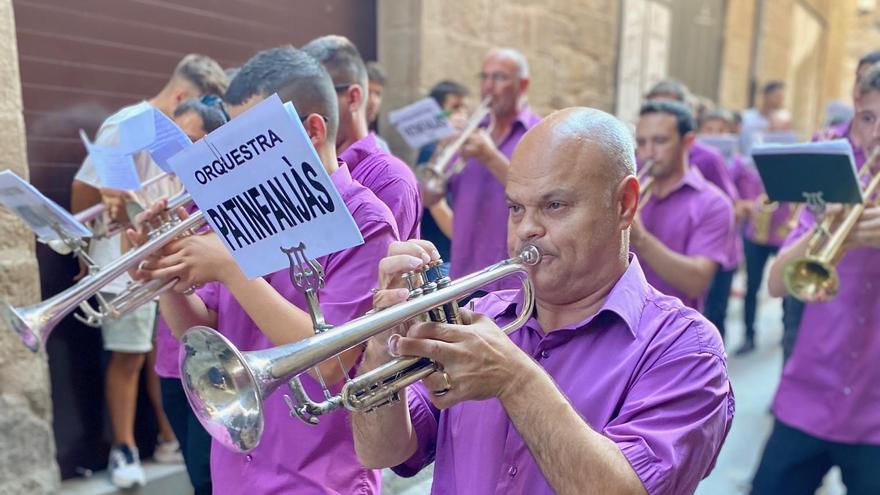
x: 646, y: 183
x: 35, y: 323
x: 436, y: 174
x: 814, y: 277
x: 766, y: 209
x: 226, y: 387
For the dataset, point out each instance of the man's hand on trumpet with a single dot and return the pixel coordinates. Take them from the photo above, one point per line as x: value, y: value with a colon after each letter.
x: 866, y: 233
x: 477, y: 359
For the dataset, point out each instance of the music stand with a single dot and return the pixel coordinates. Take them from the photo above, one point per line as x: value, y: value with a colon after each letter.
x: 812, y: 173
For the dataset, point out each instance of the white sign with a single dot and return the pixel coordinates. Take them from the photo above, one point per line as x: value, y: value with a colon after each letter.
x: 421, y: 123
x: 115, y: 169
x: 262, y: 188
x: 726, y: 144
x: 153, y: 131
x: 40, y: 213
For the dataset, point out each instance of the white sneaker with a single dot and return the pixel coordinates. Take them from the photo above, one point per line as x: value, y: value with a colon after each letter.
x: 125, y: 467
x: 168, y: 452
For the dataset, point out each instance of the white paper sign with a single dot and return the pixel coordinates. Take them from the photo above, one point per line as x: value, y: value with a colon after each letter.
x: 262, y: 188
x: 726, y: 144
x: 40, y: 213
x: 153, y: 131
x: 115, y: 169
x: 421, y: 123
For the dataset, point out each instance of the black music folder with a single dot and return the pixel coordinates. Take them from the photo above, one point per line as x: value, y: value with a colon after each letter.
x: 823, y: 171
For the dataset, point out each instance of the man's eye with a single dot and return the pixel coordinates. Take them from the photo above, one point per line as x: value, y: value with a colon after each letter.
x: 554, y: 205
x: 514, y: 208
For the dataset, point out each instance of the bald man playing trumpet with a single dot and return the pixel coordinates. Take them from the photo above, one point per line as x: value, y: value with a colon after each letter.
x: 609, y: 387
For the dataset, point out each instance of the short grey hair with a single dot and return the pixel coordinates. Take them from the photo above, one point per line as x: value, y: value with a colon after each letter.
x: 522, y: 65
x: 608, y: 132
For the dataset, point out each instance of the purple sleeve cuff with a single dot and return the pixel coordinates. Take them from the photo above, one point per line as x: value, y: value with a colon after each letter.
x: 646, y: 465
x: 424, y: 417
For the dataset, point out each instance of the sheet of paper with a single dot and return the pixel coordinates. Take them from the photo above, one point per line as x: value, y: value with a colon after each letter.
x: 168, y: 140
x: 262, y: 188
x: 116, y: 170
x: 421, y: 123
x: 40, y: 213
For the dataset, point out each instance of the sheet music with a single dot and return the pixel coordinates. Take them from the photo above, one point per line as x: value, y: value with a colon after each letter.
x: 40, y: 213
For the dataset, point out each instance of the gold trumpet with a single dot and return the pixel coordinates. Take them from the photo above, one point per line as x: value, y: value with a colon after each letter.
x: 35, y: 323
x: 646, y: 183
x: 226, y: 387
x: 766, y: 209
x: 436, y: 174
x: 814, y: 277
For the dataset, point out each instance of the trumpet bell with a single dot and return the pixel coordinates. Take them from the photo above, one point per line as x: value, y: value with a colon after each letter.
x: 811, y: 280
x: 222, y: 389
x: 26, y: 322
x: 431, y: 180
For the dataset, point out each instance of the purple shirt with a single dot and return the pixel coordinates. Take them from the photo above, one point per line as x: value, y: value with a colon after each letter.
x: 696, y: 219
x: 716, y: 170
x: 645, y: 371
x: 750, y: 186
x: 829, y: 385
x: 390, y: 179
x: 294, y: 457
x: 479, y: 220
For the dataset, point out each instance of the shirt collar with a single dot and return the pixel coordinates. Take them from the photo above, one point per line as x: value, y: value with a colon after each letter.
x: 626, y: 299
x: 341, y: 177
x: 359, y: 150
x: 525, y: 118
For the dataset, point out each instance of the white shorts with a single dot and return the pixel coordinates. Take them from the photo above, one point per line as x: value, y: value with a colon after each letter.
x: 133, y: 333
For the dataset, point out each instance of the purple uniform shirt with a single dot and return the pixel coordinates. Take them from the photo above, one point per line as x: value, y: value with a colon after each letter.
x: 479, y: 221
x: 294, y: 457
x: 696, y: 219
x: 829, y: 385
x: 645, y: 371
x: 390, y: 179
x: 750, y: 187
x: 716, y: 170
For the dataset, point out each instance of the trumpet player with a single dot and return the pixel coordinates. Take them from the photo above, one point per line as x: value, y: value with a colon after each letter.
x: 387, y: 176
x: 827, y: 410
x: 685, y: 231
x: 479, y: 228
x: 610, y: 386
x: 260, y: 313
x: 130, y: 339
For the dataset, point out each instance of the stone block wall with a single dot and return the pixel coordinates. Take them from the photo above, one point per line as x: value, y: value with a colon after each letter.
x: 571, y: 46
x: 27, y: 449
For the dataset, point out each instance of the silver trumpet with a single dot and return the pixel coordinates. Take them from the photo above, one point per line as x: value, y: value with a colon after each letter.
x: 435, y: 175
x: 101, y: 228
x: 35, y: 323
x: 226, y: 387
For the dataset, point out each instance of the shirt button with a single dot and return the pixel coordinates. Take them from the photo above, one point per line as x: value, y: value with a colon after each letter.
x: 545, y: 354
x: 868, y: 285
x: 847, y: 390
x: 854, y: 355
x: 511, y: 471
x: 861, y: 321
x: 249, y: 458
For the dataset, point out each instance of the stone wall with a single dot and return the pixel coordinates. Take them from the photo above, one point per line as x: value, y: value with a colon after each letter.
x: 571, y: 46
x: 27, y: 449
x: 823, y: 80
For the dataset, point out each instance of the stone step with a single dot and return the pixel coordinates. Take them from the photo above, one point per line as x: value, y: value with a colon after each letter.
x: 162, y: 479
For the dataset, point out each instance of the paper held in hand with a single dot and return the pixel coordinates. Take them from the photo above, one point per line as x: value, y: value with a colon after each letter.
x: 421, y: 123
x: 816, y: 172
x: 262, y: 187
x: 49, y: 221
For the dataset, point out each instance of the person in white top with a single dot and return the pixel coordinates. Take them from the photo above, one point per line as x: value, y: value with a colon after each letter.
x: 131, y: 338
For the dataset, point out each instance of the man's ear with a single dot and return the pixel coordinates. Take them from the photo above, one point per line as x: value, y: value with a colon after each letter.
x: 316, y: 128
x: 356, y: 97
x: 627, y: 198
x: 688, y: 139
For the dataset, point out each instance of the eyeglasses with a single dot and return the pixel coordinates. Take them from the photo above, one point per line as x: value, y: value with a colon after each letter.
x: 495, y: 77
x: 342, y: 87
x: 215, y: 101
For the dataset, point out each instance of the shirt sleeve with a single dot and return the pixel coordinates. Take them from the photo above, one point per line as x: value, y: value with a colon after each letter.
x: 674, y: 420
x: 805, y: 224
x: 714, y: 169
x: 715, y: 233
x: 405, y: 203
x: 425, y: 420
x: 351, y: 273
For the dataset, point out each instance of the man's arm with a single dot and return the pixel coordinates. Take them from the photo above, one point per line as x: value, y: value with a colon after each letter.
x: 689, y: 274
x: 480, y: 146
x: 442, y: 214
x: 573, y: 457
x: 83, y: 196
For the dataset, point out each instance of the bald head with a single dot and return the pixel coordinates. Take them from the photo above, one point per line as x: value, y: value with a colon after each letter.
x: 571, y: 132
x: 571, y: 193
